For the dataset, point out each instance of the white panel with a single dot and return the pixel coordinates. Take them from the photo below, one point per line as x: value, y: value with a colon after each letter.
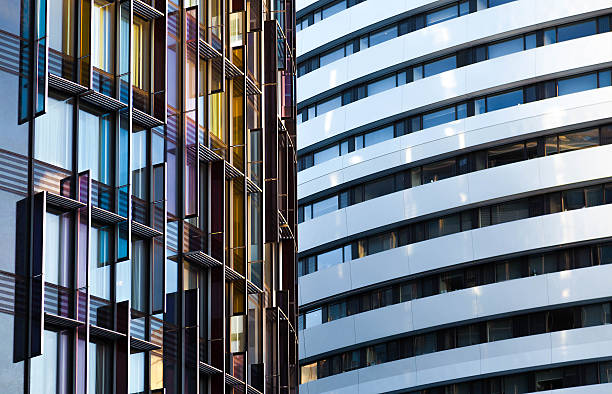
x: 441, y: 366
x: 579, y: 284
x: 586, y: 343
x: 367, y: 270
x: 458, y: 83
x: 397, y: 320
x: 513, y: 295
x: 322, y: 229
x: 344, y: 383
x: 374, y: 213
x: 440, y: 252
x: 431, y: 41
x: 515, y: 353
x: 385, y: 377
x: 333, y: 280
x: 332, y: 335
x: 444, y: 308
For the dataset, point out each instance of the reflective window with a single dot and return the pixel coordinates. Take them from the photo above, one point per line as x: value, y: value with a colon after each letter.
x: 140, y: 182
x: 100, y: 368
x: 494, y: 3
x: 331, y: 56
x: 328, y: 105
x: 441, y: 15
x: 95, y: 145
x: 325, y: 155
x: 333, y: 9
x: 439, y: 66
x: 314, y: 318
x: 510, y: 211
x: 325, y: 206
x: 505, y: 155
x: 328, y: 259
x: 53, y: 135
x: 505, y: 48
x: 579, y: 140
x: 380, y: 187
x: 504, y: 100
x: 576, y: 30
x: 379, y: 136
x: 381, y: 85
x: 103, y: 35
x: 383, y: 35
x: 439, y: 170
x: 137, y: 373
x: 439, y: 117
x: 498, y: 330
x: 577, y: 84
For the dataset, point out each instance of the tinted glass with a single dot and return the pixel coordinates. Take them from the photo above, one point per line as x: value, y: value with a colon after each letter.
x: 325, y: 155
x: 379, y: 136
x: 328, y: 105
x: 505, y: 48
x: 313, y: 318
x: 576, y: 30
x: 322, y: 207
x: 577, y: 84
x: 441, y: 15
x: 381, y: 85
x: 579, y: 140
x: 328, y: 259
x: 507, y: 212
x: 499, y: 330
x: 333, y: 9
x: 505, y: 155
x: 494, y: 3
x: 440, y: 66
x: 439, y: 117
x: 379, y: 188
x: 504, y: 100
x: 331, y: 56
x: 438, y: 171
x: 383, y: 35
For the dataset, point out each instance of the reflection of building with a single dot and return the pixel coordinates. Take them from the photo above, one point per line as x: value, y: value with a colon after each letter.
x: 147, y: 194
x: 453, y: 192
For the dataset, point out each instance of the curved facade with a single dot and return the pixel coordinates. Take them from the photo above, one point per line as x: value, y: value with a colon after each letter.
x: 454, y: 190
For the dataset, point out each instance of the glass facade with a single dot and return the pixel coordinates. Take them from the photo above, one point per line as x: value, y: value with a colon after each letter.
x: 147, y: 184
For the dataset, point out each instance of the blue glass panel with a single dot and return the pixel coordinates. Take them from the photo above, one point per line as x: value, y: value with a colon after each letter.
x: 576, y: 30
x: 442, y: 15
x: 329, y: 105
x: 439, y: 117
x: 326, y: 154
x: 379, y: 136
x: 381, y: 85
x: 504, y: 100
x: 383, y: 35
x: 440, y: 66
x: 505, y: 48
x: 331, y: 56
x: 604, y: 79
x: 328, y: 259
x: 577, y: 84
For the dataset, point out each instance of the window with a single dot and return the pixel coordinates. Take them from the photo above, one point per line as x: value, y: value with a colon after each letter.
x: 577, y: 84
x: 439, y: 66
x: 50, y: 372
x: 439, y: 170
x: 103, y: 36
x: 510, y: 211
x: 504, y: 100
x: 579, y: 140
x: 331, y: 56
x: 441, y: 15
x: 498, y: 330
x: 505, y: 155
x: 100, y: 368
x: 439, y: 117
x: 53, y: 138
x: 379, y: 188
x: 140, y: 275
x: 308, y: 373
x: 379, y: 136
x: 576, y: 30
x: 96, y: 133
x: 383, y: 35
x: 325, y: 206
x: 380, y: 243
x: 333, y: 9
x: 141, y: 47
x: 314, y: 318
x: 140, y: 184
x: 505, y: 48
x: 328, y: 259
x: 326, y: 154
x: 444, y: 226
x: 381, y: 85
x: 328, y: 105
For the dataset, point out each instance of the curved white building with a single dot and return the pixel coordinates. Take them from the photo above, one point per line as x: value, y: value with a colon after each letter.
x: 455, y: 196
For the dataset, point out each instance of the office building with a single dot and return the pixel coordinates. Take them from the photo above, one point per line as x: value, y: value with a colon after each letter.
x: 147, y: 196
x: 454, y: 169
